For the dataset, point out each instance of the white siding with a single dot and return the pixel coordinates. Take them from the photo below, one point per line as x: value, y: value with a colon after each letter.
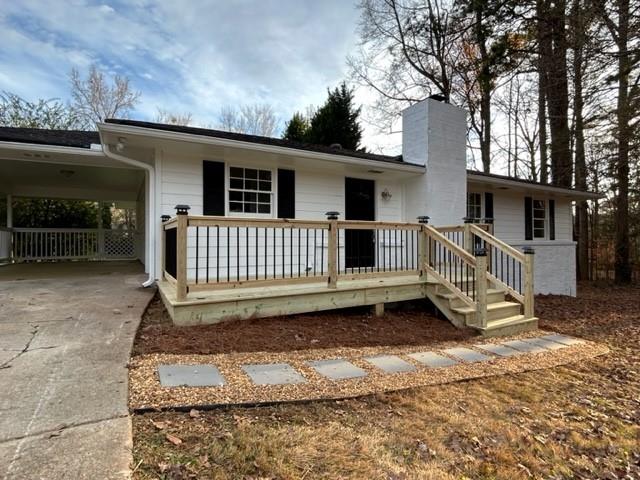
x: 317, y: 192
x: 554, y: 264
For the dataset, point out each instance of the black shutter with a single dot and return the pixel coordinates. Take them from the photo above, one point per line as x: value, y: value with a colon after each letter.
x: 213, y: 188
x: 552, y: 219
x: 286, y: 193
x: 528, y: 218
x: 488, y: 205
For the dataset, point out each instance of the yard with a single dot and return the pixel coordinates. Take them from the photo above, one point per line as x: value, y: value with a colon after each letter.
x: 576, y: 421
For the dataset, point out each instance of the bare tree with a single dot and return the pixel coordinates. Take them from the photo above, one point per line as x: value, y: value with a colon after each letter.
x: 164, y: 116
x: 255, y: 119
x: 408, y: 51
x: 96, y: 98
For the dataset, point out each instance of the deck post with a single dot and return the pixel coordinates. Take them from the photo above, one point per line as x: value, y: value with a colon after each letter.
x: 423, y: 247
x: 468, y: 238
x: 181, y: 251
x: 163, y: 247
x: 481, y: 287
x: 528, y: 282
x: 333, y: 254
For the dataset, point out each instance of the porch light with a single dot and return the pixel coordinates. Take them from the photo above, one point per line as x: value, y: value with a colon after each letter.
x: 165, y: 218
x: 386, y: 194
x: 120, y: 144
x: 332, y: 215
x: 424, y: 219
x: 182, y: 209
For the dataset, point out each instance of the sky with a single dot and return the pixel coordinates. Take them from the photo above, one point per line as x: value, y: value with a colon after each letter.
x: 192, y: 56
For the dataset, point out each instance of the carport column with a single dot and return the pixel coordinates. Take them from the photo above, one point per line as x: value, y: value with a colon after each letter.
x: 9, y: 210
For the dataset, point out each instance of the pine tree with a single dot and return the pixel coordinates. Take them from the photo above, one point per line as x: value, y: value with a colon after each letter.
x: 336, y: 122
x: 297, y: 128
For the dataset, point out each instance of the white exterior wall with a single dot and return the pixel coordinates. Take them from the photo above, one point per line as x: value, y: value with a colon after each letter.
x: 434, y: 135
x: 555, y: 260
x: 317, y: 192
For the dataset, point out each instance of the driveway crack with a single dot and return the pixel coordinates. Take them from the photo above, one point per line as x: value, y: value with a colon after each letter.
x: 34, y: 332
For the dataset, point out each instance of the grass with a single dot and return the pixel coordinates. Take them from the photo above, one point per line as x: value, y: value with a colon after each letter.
x: 576, y: 421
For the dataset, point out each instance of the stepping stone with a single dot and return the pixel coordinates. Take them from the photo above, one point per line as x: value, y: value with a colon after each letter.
x: 390, y: 363
x: 525, y: 346
x: 337, y: 369
x: 499, y: 350
x: 273, y: 374
x: 467, y: 354
x: 432, y: 360
x: 190, y: 376
x: 545, y: 343
x: 564, y: 339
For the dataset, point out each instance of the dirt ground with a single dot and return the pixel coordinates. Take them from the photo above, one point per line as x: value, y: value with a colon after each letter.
x: 412, y: 324
x: 580, y: 421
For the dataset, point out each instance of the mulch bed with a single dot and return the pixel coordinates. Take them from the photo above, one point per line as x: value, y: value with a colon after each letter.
x: 411, y: 324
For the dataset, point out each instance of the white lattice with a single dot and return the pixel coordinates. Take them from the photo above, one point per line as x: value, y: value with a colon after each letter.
x: 119, y: 243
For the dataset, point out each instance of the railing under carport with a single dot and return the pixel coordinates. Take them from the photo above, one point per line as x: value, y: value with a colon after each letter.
x: 60, y: 244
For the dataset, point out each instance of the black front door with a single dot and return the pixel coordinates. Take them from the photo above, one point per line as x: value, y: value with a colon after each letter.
x: 359, y: 205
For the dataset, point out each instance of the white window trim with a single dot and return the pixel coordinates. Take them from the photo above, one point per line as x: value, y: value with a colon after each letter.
x: 227, y: 189
x: 481, y: 204
x: 533, y: 219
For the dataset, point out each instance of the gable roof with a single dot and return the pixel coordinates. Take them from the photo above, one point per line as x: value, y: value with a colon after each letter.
x: 43, y: 136
x: 84, y: 139
x: 243, y: 137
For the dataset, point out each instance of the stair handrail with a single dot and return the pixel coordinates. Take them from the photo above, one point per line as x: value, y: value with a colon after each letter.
x: 487, y: 237
x: 466, y: 257
x: 525, y: 269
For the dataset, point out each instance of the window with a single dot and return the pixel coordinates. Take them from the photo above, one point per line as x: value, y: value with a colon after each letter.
x: 250, y: 190
x: 538, y: 218
x: 474, y: 205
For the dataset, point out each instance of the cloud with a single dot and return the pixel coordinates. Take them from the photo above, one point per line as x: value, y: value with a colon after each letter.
x: 194, y: 56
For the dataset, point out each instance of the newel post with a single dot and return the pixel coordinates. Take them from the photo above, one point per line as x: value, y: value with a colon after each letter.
x: 423, y: 246
x: 333, y: 253
x: 468, y: 238
x: 182, y: 212
x: 528, y: 282
x: 481, y: 287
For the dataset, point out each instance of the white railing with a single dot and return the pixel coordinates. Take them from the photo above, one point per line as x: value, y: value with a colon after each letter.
x: 33, y: 244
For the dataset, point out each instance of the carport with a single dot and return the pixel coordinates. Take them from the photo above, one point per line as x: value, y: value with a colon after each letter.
x: 69, y: 166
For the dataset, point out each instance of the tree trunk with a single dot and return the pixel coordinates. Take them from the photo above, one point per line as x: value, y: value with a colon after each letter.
x: 542, y: 91
x: 484, y: 82
x: 622, y: 267
x: 582, y: 224
x: 558, y: 94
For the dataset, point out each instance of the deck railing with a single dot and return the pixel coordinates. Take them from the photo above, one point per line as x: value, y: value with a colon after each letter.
x: 207, y: 253
x: 48, y: 244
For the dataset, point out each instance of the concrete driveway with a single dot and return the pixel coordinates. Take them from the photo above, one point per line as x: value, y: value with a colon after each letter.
x: 66, y: 332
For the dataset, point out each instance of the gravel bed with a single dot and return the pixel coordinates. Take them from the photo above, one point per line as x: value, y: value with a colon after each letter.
x: 145, y: 391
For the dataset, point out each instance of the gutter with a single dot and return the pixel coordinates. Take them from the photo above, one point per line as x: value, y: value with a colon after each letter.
x: 150, y: 230
x: 119, y: 129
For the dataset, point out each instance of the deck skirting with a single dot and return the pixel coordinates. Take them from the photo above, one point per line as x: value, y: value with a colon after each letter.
x: 245, y: 303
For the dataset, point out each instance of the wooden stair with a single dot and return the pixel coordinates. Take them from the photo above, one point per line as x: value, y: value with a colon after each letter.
x: 504, y: 317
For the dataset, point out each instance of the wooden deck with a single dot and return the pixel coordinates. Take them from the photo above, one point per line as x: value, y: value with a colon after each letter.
x: 220, y: 268
x: 255, y: 302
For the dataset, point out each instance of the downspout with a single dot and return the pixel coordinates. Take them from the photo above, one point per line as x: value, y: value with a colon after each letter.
x: 151, y: 231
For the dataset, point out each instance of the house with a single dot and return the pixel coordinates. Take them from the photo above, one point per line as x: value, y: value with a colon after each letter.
x: 253, y: 237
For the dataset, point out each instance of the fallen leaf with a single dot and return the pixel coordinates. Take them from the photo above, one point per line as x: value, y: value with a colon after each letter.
x: 173, y: 439
x: 194, y: 413
x: 158, y: 425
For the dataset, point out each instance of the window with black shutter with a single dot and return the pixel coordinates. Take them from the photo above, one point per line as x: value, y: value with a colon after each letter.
x: 213, y: 186
x: 286, y: 193
x: 552, y: 220
x: 528, y: 218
